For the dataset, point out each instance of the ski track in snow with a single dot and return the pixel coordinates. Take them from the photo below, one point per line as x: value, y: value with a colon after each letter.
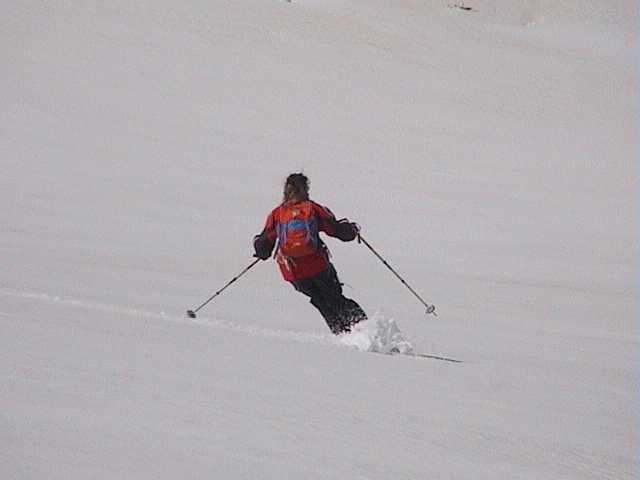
x: 301, y: 337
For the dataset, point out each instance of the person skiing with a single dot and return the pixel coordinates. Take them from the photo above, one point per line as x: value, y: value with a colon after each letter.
x: 293, y: 228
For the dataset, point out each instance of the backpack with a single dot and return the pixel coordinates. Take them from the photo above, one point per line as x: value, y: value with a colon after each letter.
x: 298, y: 230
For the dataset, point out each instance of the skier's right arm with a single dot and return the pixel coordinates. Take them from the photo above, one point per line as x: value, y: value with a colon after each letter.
x: 265, y: 241
x: 341, y: 229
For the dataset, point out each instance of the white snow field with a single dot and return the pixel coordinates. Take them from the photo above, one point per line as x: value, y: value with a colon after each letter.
x: 488, y: 154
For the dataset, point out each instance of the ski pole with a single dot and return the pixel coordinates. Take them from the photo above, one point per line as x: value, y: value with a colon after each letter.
x: 430, y: 308
x: 192, y: 313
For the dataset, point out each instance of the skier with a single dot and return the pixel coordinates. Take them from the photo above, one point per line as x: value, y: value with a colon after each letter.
x: 303, y: 257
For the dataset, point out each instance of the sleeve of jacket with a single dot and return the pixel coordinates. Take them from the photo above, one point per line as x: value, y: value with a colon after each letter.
x: 341, y: 229
x: 265, y: 241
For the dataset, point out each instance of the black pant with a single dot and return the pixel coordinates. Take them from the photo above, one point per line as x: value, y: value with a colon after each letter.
x: 325, y: 291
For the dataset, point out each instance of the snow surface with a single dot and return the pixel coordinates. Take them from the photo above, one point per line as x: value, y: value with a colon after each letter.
x: 489, y: 155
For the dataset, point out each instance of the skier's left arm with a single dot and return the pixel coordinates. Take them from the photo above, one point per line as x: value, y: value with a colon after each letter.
x: 265, y: 241
x: 341, y: 229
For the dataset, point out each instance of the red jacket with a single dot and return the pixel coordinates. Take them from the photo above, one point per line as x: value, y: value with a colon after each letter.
x: 309, y: 265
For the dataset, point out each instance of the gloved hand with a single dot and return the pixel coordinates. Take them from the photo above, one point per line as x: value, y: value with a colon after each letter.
x: 263, y: 247
x: 346, y: 230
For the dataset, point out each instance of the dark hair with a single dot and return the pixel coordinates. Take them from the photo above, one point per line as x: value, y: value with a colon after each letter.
x: 296, y: 187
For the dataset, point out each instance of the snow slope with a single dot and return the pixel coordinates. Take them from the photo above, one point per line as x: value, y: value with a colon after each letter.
x: 488, y: 154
